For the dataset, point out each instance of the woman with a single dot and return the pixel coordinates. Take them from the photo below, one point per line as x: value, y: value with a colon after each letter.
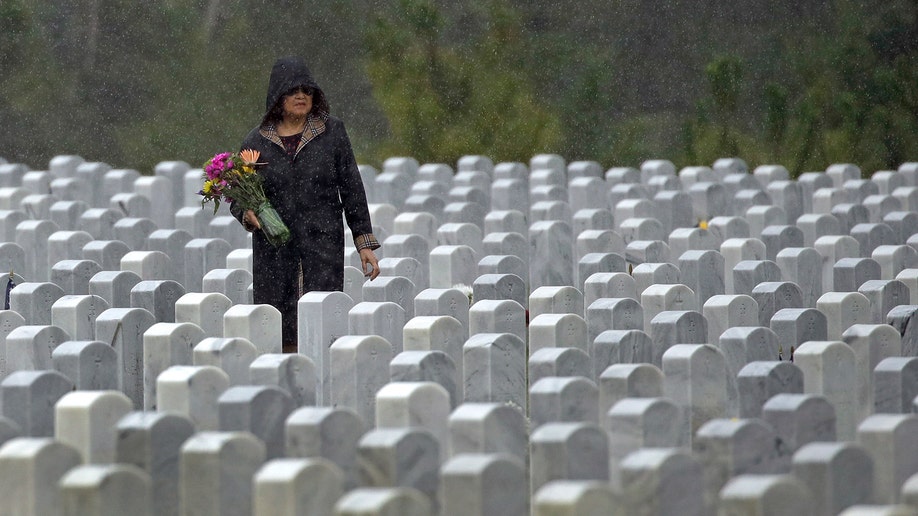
x: 310, y: 177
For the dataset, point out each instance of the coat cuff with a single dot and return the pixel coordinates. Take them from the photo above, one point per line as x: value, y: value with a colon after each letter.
x: 366, y: 241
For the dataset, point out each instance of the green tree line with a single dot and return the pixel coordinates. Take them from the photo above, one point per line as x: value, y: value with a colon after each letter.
x: 803, y: 84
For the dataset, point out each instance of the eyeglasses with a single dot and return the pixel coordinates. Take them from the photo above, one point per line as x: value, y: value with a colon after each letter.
x: 305, y: 89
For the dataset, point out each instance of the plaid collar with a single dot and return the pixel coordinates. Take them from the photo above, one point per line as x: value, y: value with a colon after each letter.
x: 315, y: 125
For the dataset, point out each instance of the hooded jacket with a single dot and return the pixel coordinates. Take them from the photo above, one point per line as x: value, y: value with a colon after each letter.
x: 309, y: 190
x: 288, y: 73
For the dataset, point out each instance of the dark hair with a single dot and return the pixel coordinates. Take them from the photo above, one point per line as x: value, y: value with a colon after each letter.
x: 319, y: 104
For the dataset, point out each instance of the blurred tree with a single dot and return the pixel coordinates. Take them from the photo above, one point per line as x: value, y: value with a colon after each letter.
x: 805, y: 84
x: 776, y: 114
x: 25, y: 51
x: 848, y: 95
x: 724, y: 77
x: 443, y: 101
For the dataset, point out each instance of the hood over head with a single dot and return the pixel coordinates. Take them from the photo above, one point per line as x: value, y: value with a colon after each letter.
x: 288, y: 73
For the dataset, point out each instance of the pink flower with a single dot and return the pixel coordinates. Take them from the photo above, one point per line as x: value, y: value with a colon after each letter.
x: 212, y: 170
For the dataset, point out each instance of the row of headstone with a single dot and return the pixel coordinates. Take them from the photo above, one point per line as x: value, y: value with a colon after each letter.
x: 643, y: 230
x: 632, y: 382
x: 266, y: 456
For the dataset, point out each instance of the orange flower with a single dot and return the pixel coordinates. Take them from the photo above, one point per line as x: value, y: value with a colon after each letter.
x: 249, y: 156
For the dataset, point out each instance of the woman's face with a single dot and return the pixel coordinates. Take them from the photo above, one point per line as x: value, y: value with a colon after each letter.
x: 298, y: 102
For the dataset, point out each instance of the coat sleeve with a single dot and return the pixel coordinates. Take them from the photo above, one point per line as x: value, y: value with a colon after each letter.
x: 353, y: 195
x: 237, y: 212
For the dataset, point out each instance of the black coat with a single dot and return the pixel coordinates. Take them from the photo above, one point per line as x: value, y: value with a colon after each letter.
x: 310, y: 191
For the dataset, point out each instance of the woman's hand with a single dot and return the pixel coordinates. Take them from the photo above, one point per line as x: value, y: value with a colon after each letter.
x: 250, y: 221
x: 368, y: 258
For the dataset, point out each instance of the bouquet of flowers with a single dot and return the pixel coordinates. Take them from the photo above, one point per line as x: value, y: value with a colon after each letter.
x: 231, y: 177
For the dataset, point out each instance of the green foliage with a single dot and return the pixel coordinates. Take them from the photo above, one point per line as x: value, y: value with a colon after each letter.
x: 443, y: 101
x: 724, y: 76
x: 804, y: 84
x: 25, y: 45
x: 15, y: 27
x: 776, y: 113
x: 849, y: 96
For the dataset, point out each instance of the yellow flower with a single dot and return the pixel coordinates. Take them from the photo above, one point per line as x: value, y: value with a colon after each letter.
x: 703, y: 224
x: 208, y: 186
x: 247, y: 169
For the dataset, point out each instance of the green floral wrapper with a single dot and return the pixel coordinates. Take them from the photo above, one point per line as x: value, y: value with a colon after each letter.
x: 272, y: 226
